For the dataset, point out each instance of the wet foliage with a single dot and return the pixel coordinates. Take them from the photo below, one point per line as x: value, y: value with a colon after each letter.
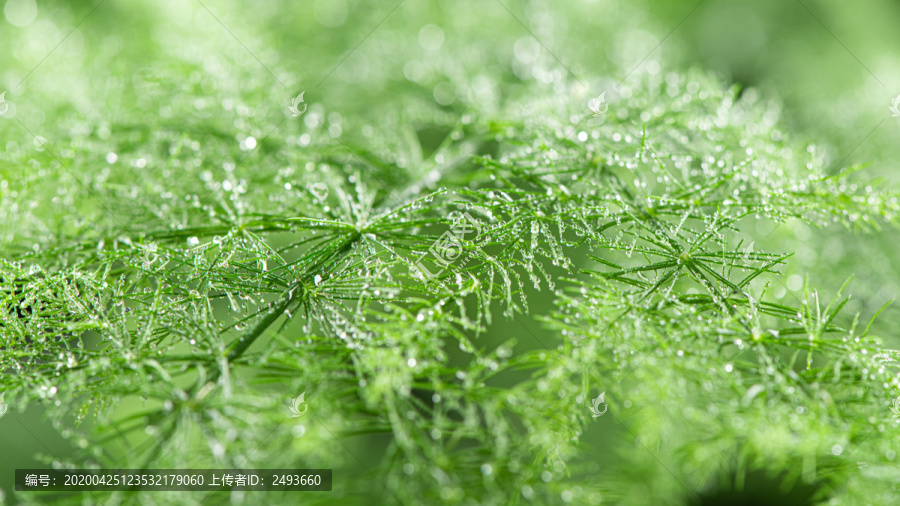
x: 173, y: 280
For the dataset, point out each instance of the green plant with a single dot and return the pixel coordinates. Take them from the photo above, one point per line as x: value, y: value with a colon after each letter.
x: 173, y: 330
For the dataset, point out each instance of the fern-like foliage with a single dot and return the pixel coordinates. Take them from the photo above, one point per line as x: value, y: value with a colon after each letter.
x: 172, y: 330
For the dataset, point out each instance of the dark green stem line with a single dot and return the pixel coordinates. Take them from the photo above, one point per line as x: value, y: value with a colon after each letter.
x: 241, y: 345
x: 245, y: 341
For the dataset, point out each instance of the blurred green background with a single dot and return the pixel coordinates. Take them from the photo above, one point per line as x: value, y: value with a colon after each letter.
x: 70, y: 67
